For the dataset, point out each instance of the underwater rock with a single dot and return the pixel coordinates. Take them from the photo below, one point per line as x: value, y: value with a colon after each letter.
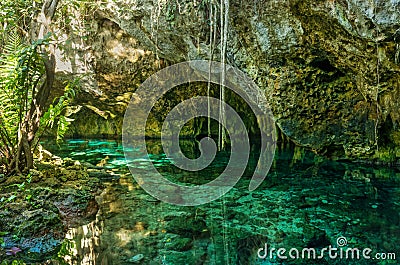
x: 102, y: 174
x: 136, y: 258
x: 185, y: 225
x: 179, y: 244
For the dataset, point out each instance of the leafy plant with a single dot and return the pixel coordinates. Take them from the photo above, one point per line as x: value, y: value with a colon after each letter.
x: 27, y: 68
x: 22, y: 188
x: 54, y: 114
x: 66, y: 249
x: 14, y: 262
x: 21, y: 71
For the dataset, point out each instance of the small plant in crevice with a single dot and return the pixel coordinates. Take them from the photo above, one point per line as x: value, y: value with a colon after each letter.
x: 23, y: 190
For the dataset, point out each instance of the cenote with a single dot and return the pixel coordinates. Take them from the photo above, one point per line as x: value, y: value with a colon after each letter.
x: 319, y: 81
x: 306, y: 201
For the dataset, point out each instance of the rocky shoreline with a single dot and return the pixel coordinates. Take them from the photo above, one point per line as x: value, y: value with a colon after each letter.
x: 37, y: 209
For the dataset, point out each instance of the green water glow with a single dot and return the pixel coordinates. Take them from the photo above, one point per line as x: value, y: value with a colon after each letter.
x: 305, y: 201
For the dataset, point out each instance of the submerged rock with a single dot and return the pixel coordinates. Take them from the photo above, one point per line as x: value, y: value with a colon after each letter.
x: 136, y: 258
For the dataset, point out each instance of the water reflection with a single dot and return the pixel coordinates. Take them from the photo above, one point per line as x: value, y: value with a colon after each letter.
x: 305, y: 201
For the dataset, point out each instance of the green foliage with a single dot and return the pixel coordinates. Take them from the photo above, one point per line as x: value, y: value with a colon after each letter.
x: 22, y: 188
x: 26, y: 77
x: 15, y: 17
x: 14, y: 262
x: 21, y: 69
x: 386, y: 155
x: 54, y: 114
x: 170, y: 13
x: 65, y: 249
x: 21, y: 75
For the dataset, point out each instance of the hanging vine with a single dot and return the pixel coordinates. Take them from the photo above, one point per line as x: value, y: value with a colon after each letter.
x: 224, y: 20
x: 154, y: 24
x: 213, y: 36
x: 376, y: 98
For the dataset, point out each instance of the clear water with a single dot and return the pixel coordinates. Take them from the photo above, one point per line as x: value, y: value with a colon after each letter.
x: 305, y: 202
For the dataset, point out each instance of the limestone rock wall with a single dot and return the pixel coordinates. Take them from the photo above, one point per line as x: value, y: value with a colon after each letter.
x: 329, y: 68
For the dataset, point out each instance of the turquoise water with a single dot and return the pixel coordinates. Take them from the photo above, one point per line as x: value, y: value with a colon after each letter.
x: 305, y: 202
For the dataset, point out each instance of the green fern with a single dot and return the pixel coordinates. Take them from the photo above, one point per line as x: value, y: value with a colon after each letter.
x: 54, y: 114
x: 21, y: 72
x: 9, y: 63
x: 24, y: 86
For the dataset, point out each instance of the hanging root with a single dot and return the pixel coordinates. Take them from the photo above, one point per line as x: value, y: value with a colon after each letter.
x: 212, y: 43
x: 224, y: 19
